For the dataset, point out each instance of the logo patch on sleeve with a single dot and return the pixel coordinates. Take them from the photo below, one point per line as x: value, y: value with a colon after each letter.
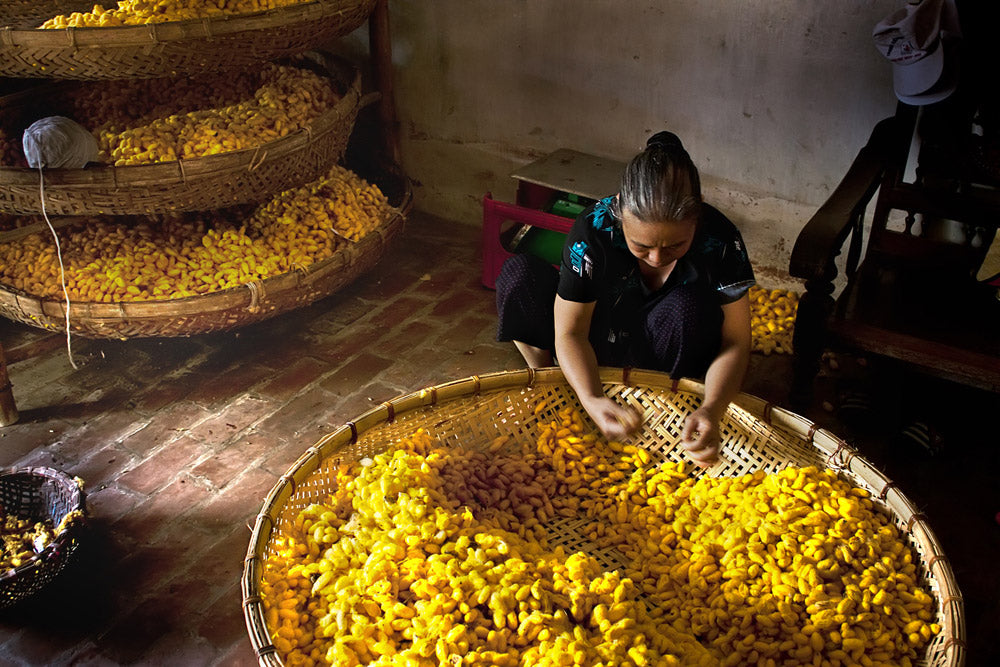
x: 579, y: 260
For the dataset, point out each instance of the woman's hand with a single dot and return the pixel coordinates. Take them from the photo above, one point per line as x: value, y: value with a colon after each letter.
x: 579, y: 364
x: 615, y: 421
x: 700, y: 438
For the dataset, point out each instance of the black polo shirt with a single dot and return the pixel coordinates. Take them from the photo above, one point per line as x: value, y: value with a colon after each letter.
x: 597, y: 265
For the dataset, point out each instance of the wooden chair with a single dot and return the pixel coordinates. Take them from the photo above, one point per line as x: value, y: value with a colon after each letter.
x: 911, y: 292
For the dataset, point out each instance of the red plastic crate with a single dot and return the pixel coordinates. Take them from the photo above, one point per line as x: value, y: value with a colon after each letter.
x: 539, y: 183
x: 495, y: 215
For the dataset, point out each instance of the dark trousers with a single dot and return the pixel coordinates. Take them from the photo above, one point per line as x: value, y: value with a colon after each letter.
x: 677, y: 331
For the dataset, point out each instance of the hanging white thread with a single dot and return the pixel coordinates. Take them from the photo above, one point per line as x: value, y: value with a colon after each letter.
x: 62, y: 270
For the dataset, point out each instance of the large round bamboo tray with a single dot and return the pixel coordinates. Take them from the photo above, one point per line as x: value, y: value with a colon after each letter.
x: 40, y: 494
x: 197, y: 184
x: 474, y: 411
x: 172, y: 48
x: 217, y: 311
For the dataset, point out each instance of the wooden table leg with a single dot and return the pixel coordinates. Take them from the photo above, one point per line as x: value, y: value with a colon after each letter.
x: 8, y: 410
x: 381, y: 55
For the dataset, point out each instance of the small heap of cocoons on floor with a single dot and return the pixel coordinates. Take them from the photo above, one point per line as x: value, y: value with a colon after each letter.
x: 772, y: 319
x: 571, y: 550
x: 120, y: 258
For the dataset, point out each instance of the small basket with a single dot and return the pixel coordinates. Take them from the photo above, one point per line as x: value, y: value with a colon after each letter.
x: 216, y: 311
x: 473, y: 412
x: 190, y: 47
x: 40, y: 494
x: 196, y: 184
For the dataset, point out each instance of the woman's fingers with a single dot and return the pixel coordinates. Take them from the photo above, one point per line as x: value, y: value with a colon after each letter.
x: 615, y: 421
x: 700, y: 439
x: 705, y: 456
x: 629, y: 419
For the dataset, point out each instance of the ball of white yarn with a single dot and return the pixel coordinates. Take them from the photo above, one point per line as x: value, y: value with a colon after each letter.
x: 58, y: 142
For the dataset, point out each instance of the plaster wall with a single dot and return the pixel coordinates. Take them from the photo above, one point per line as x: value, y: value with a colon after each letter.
x: 772, y: 99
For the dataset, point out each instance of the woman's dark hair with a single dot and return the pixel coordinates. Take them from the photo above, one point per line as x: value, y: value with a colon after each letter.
x: 661, y: 183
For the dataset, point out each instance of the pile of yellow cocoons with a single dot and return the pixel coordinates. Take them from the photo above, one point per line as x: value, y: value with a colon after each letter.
x: 572, y: 550
x: 114, y: 259
x: 772, y: 319
x: 147, y: 121
x: 138, y: 12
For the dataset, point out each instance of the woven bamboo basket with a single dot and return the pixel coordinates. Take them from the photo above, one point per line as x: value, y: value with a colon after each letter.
x: 196, y: 184
x: 39, y: 494
x: 474, y: 411
x: 154, y: 50
x: 226, y: 309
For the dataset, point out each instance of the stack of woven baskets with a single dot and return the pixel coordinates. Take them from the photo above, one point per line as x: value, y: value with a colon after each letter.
x: 219, y: 44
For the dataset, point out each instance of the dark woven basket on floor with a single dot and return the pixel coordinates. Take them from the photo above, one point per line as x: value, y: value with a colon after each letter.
x: 475, y: 412
x: 40, y: 494
x: 194, y: 184
x: 189, y: 47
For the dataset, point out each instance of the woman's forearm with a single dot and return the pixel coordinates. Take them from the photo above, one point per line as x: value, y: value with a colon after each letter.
x: 724, y: 378
x: 578, y: 362
x: 725, y: 374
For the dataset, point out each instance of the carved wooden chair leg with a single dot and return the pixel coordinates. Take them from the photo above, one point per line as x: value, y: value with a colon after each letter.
x: 808, y: 341
x: 8, y: 410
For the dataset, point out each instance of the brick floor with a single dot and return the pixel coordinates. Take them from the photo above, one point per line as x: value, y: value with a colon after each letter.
x: 179, y: 441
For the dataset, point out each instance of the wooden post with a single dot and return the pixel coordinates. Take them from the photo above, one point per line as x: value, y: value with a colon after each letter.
x: 381, y: 55
x: 8, y: 410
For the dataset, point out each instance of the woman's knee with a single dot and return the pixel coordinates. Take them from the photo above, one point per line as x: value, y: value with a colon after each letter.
x: 684, y: 331
x: 686, y: 311
x: 526, y: 290
x: 527, y: 272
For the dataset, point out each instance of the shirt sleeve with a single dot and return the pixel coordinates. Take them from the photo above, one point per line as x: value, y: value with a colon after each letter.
x: 733, y: 273
x: 581, y: 262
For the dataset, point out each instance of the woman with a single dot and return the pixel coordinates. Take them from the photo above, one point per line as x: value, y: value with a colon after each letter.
x: 651, y: 277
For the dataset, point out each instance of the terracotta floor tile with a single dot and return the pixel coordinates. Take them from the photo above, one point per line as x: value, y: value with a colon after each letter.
x: 290, y: 380
x: 300, y: 417
x: 239, y: 502
x: 239, y: 654
x: 235, y: 418
x: 172, y: 422
x: 103, y: 465
x: 357, y: 373
x: 161, y: 467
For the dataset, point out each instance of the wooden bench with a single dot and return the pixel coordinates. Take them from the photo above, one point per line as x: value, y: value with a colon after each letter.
x: 911, y: 292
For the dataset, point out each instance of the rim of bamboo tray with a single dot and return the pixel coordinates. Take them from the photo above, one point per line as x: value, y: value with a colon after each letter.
x: 190, y: 46
x: 215, y: 311
x: 400, y: 415
x: 195, y: 184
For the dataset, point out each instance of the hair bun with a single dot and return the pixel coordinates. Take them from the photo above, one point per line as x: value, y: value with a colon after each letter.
x: 665, y: 140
